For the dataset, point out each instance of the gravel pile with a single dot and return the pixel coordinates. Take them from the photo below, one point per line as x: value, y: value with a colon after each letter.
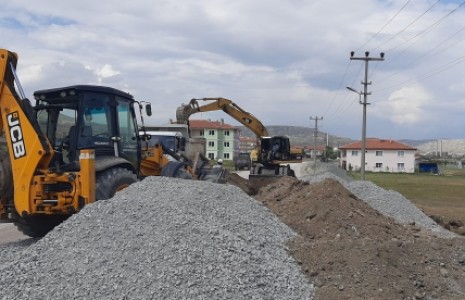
x: 159, y: 239
x: 388, y: 202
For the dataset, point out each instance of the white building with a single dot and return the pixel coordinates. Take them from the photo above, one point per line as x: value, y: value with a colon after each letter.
x: 380, y: 156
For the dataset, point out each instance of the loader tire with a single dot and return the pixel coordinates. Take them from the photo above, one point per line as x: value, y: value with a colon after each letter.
x: 111, y: 181
x: 37, y: 226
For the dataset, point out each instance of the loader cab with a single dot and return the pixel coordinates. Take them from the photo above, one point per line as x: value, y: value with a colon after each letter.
x: 83, y: 117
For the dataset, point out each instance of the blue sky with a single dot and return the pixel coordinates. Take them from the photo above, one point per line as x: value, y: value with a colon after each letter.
x: 283, y: 61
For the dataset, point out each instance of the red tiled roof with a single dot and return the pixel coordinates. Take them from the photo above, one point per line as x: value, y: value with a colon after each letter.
x: 202, y: 124
x: 378, y: 144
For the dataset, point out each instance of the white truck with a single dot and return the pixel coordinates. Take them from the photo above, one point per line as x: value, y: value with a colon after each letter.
x: 176, y: 137
x: 173, y: 140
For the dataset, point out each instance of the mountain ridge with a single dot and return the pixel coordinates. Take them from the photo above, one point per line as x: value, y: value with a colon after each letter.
x: 301, y: 136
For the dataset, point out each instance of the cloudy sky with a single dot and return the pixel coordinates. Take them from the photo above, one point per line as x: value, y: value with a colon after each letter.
x: 282, y: 60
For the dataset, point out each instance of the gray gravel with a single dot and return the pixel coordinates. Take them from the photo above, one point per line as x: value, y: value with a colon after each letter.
x: 161, y: 238
x: 165, y: 238
x: 388, y: 202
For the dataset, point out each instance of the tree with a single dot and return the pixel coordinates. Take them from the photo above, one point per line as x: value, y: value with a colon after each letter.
x: 331, y: 153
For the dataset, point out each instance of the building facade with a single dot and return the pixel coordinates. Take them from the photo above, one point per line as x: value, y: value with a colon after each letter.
x: 247, y: 144
x: 222, y: 140
x: 380, y: 156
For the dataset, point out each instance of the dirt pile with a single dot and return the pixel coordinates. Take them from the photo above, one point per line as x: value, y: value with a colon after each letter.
x: 350, y: 251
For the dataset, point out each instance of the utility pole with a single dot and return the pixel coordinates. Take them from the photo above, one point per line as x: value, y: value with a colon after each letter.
x: 315, y: 132
x: 365, y: 94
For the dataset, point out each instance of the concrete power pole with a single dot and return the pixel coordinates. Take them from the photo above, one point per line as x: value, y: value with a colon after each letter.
x: 365, y: 93
x: 315, y: 133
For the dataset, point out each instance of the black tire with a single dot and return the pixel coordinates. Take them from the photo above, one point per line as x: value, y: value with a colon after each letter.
x: 38, y: 225
x: 111, y: 181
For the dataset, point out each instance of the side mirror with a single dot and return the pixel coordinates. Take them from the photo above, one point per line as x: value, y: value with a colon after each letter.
x: 148, y: 109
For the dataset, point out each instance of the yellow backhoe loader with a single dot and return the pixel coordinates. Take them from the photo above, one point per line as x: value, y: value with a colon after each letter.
x: 78, y: 144
x: 273, y: 153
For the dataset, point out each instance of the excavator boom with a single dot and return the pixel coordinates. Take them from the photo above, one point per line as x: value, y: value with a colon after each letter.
x: 245, y: 118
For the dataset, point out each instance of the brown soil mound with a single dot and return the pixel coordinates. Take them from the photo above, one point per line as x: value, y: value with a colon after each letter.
x: 350, y: 251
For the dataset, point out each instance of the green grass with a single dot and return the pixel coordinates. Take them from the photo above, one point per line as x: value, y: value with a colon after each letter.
x: 435, y: 195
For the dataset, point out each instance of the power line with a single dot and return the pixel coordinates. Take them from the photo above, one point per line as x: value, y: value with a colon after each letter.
x: 335, y: 111
x: 384, y: 26
x: 426, y: 56
x: 428, y: 29
x: 406, y: 27
x: 429, y: 74
x: 338, y: 88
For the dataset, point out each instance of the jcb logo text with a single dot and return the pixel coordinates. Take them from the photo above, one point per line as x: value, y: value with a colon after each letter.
x: 16, y: 135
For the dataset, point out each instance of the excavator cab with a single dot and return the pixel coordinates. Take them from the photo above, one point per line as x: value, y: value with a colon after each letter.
x: 276, y: 148
x: 88, y: 117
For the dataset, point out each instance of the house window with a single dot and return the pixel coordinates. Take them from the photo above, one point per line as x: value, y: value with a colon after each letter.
x: 354, y: 153
x: 379, y: 153
x: 400, y: 153
x: 211, y: 156
x: 211, y: 132
x: 202, y: 132
x: 400, y: 166
x: 226, y: 144
x: 226, y: 155
x: 226, y: 132
x: 211, y: 144
x: 379, y: 165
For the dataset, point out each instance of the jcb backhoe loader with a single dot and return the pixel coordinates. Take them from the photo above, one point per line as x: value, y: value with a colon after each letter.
x: 273, y: 153
x: 78, y: 144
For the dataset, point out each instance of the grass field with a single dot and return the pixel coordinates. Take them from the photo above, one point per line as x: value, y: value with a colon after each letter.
x: 435, y: 195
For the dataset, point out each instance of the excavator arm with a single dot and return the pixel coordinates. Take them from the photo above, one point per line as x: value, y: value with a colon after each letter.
x: 245, y: 118
x: 36, y: 188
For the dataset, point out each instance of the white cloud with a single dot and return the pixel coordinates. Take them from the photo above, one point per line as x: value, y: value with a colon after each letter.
x: 405, y: 106
x: 107, y: 71
x: 281, y: 60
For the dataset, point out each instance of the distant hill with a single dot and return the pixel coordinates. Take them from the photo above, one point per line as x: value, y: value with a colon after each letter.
x: 451, y: 147
x: 303, y: 136
x: 415, y: 143
x: 300, y: 136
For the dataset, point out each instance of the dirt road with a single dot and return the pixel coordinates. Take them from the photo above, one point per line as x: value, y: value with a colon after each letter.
x: 9, y: 233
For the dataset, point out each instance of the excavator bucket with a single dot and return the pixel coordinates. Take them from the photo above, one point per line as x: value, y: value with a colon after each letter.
x: 258, y: 181
x: 183, y: 113
x: 259, y: 177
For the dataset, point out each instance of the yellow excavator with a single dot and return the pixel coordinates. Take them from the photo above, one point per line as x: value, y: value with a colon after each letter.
x: 273, y: 153
x: 76, y: 145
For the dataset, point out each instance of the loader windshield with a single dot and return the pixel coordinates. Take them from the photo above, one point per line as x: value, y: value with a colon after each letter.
x: 82, y: 117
